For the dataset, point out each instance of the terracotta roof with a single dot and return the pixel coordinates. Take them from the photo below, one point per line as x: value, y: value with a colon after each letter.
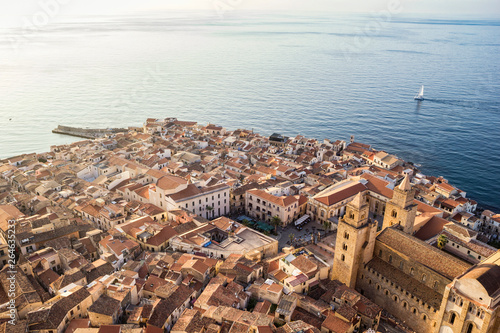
x: 303, y: 264
x: 430, y: 229
x: 170, y: 182
x: 154, y: 282
x: 342, y: 194
x: 378, y: 185
x: 423, y: 253
x: 405, y: 281
x: 193, y: 191
x: 105, y: 305
x: 163, y: 236
x: 488, y: 275
x: 336, y: 324
x: 283, y: 201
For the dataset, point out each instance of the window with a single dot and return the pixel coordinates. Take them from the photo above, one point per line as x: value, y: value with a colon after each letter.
x: 394, y: 213
x: 412, y: 271
x: 424, y: 277
x: 380, y: 253
x: 342, y: 257
x: 452, y: 318
x: 470, y: 327
x: 346, y: 235
x: 390, y: 259
x: 401, y: 264
x: 435, y: 284
x: 344, y: 247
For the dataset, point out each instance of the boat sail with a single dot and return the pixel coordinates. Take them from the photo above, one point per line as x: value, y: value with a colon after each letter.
x: 420, y: 96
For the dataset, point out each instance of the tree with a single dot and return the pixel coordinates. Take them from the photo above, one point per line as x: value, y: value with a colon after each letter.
x: 326, y: 225
x: 210, y: 211
x: 276, y: 221
x: 246, y: 222
x: 441, y: 241
x: 292, y: 238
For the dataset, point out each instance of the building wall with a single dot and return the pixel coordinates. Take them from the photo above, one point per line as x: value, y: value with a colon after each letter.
x: 218, y: 200
x: 458, y: 312
x: 262, y: 209
x: 97, y: 319
x: 412, y: 268
x: 384, y: 291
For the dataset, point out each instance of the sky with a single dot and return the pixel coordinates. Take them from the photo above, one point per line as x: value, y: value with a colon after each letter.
x: 12, y: 12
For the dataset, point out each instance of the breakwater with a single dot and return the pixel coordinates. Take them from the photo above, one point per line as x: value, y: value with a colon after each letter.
x: 87, y: 133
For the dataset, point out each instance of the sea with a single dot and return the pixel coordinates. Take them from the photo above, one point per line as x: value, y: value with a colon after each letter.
x: 316, y: 74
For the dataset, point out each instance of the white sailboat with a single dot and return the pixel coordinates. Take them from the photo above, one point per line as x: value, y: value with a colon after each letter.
x: 420, y: 95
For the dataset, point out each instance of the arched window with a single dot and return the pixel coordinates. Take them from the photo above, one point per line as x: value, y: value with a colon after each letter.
x: 390, y: 259
x: 424, y: 317
x: 395, y: 298
x: 387, y: 292
x: 414, y: 311
x: 470, y: 327
x: 344, y: 247
x: 405, y: 305
x: 401, y: 265
x: 346, y: 235
x: 351, y: 215
x: 342, y: 257
x: 394, y: 213
x: 380, y: 253
x: 435, y: 284
x: 424, y: 277
x: 378, y: 286
x: 452, y: 318
x: 369, y: 281
x: 412, y: 271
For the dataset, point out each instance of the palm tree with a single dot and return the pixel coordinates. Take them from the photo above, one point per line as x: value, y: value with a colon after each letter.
x: 441, y: 241
x: 210, y: 210
x: 326, y: 225
x: 292, y: 238
x: 276, y: 221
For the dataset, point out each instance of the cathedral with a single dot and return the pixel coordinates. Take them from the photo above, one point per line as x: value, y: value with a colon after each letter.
x: 427, y: 289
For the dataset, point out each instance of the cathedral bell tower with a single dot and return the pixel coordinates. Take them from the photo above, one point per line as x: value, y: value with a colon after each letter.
x: 355, y: 241
x: 401, y: 209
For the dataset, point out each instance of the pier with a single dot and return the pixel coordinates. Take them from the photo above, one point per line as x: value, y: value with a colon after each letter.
x: 87, y: 133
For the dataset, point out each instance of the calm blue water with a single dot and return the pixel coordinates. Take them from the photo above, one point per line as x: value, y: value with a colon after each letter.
x: 320, y: 76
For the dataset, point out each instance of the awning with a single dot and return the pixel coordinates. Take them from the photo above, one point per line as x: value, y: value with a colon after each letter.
x: 302, y: 219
